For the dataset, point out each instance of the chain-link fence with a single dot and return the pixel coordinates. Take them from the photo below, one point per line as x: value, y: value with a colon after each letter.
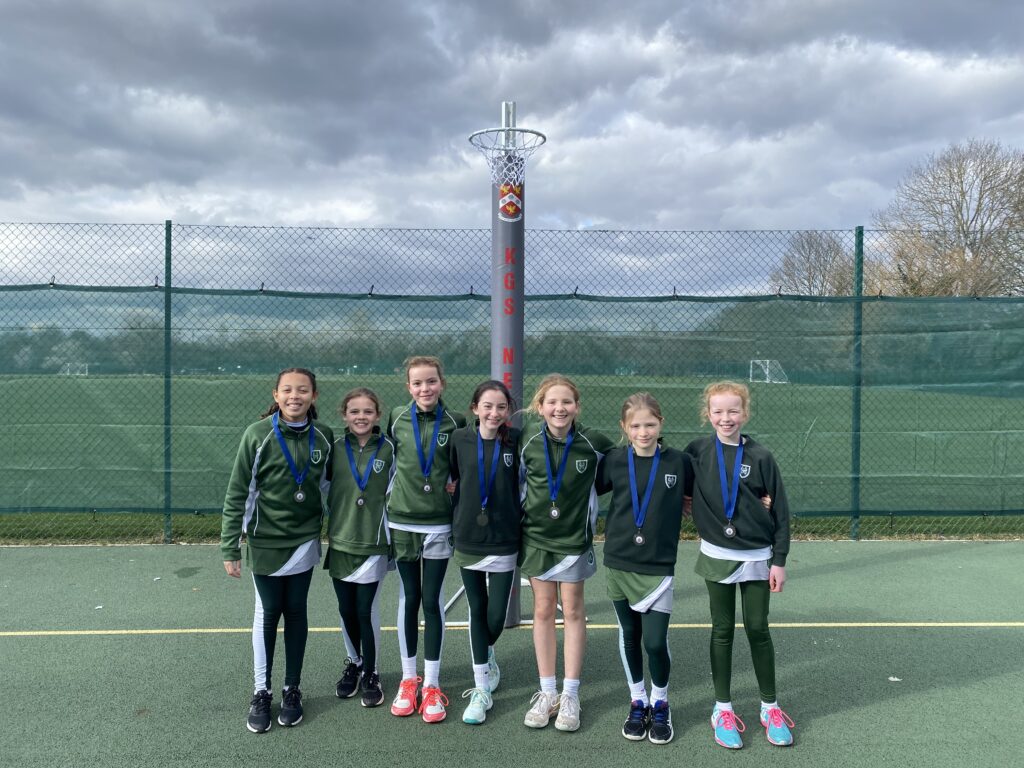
x: 132, y: 356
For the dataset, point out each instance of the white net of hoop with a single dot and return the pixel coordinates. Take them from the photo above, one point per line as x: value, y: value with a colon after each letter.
x: 506, y: 151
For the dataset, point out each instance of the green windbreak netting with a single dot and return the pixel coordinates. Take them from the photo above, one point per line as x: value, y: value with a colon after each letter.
x: 93, y: 399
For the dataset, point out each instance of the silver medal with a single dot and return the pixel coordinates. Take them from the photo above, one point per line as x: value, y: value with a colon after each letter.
x: 360, y: 501
x: 730, y: 531
x: 554, y: 513
x: 639, y: 539
x: 426, y: 487
x: 481, y: 519
x: 300, y: 495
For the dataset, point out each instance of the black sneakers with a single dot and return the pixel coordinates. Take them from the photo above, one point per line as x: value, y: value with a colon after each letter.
x: 291, y: 707
x: 661, y: 723
x: 259, y: 712
x: 635, y: 727
x: 349, y: 683
x: 373, y: 694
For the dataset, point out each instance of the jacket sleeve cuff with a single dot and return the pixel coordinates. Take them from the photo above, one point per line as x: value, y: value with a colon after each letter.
x: 779, y: 559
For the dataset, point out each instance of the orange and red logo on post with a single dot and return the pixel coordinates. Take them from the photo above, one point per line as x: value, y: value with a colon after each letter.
x: 510, y: 202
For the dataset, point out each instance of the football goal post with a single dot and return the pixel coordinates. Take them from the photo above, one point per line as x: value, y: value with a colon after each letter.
x: 768, y: 371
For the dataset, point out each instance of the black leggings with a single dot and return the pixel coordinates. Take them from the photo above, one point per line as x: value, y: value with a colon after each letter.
x: 422, y: 581
x: 649, y: 630
x: 486, y: 611
x: 278, y: 596
x: 754, y: 598
x: 360, y: 619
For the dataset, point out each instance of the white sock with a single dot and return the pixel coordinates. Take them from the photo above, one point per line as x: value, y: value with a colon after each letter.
x: 571, y: 687
x: 549, y: 686
x: 659, y: 694
x: 723, y: 706
x: 408, y: 667
x: 638, y: 692
x: 481, y: 679
x: 767, y: 705
x: 432, y: 673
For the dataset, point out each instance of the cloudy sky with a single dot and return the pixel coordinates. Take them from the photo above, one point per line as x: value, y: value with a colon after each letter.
x: 756, y: 114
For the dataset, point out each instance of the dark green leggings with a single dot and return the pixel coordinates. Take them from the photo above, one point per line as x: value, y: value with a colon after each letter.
x: 278, y: 596
x: 754, y: 598
x: 486, y: 611
x: 422, y: 581
x: 639, y: 632
x: 358, y: 606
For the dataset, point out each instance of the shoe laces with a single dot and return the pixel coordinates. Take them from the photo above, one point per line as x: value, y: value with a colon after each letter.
x: 292, y: 696
x: 569, y: 705
x: 371, y: 680
x: 637, y: 712
x: 407, y: 688
x: 477, y: 693
x: 261, y: 701
x: 775, y: 717
x: 730, y: 721
x: 543, y: 702
x: 433, y: 697
x: 660, y: 714
x: 351, y: 668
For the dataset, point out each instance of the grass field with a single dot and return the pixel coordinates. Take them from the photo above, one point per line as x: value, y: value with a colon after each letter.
x: 98, y: 444
x: 889, y: 653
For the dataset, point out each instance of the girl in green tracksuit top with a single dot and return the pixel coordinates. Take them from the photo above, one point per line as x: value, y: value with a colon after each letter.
x: 486, y: 529
x: 420, y: 519
x: 742, y: 516
x: 641, y: 540
x: 559, y: 460
x: 275, y: 503
x: 364, y: 462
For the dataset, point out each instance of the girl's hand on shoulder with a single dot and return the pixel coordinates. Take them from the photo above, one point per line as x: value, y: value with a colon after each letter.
x: 450, y: 487
x: 766, y: 500
x: 233, y: 568
x: 776, y: 578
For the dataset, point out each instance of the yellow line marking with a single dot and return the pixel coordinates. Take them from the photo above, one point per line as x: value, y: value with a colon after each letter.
x: 779, y: 625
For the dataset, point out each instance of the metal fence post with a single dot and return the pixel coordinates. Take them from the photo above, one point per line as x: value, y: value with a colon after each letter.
x: 858, y: 378
x: 167, y: 381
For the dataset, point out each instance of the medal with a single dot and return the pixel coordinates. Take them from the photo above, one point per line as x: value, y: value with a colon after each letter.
x: 555, y: 480
x: 481, y: 519
x: 426, y: 462
x: 361, y: 480
x: 640, y: 507
x: 299, y: 495
x: 486, y: 484
x: 729, y: 497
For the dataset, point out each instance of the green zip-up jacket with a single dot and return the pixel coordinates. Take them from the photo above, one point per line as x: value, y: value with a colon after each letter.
x: 572, y: 532
x: 500, y: 535
x: 660, y: 532
x: 353, y: 528
x: 759, y: 476
x: 260, y: 500
x: 408, y: 503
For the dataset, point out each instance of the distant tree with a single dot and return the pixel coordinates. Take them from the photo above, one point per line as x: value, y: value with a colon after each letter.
x: 815, y: 264
x: 954, y: 226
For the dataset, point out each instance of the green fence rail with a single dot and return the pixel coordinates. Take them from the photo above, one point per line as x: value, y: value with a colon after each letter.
x: 128, y: 384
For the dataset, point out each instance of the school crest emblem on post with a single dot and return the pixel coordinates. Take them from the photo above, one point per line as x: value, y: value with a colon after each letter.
x: 316, y: 456
x: 442, y: 439
x: 670, y: 481
x: 507, y: 458
x: 744, y: 470
x: 510, y: 202
x: 378, y: 465
x: 581, y: 465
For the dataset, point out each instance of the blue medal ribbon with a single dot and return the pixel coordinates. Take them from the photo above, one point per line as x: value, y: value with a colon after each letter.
x: 729, y: 498
x: 426, y: 462
x: 363, y: 481
x: 486, y: 485
x: 640, y: 507
x: 299, y: 476
x: 554, y: 483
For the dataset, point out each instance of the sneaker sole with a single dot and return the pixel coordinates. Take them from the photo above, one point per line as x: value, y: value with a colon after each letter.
x: 660, y: 741
x: 371, y: 704
x: 254, y: 730
x: 470, y: 721
x: 634, y: 737
x: 778, y: 743
x: 434, y: 718
x: 283, y: 724
x: 564, y: 728
x: 537, y: 723
x: 403, y: 712
x: 345, y: 695
x: 727, y: 746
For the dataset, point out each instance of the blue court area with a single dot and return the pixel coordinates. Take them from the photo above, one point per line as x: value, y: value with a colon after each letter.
x: 889, y: 653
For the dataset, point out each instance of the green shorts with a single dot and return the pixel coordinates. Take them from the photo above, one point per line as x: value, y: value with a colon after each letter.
x: 410, y: 546
x: 358, y: 569
x: 643, y: 591
x: 731, y: 571
x: 555, y: 566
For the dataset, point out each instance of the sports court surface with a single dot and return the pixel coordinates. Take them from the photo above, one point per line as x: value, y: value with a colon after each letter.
x: 889, y: 653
